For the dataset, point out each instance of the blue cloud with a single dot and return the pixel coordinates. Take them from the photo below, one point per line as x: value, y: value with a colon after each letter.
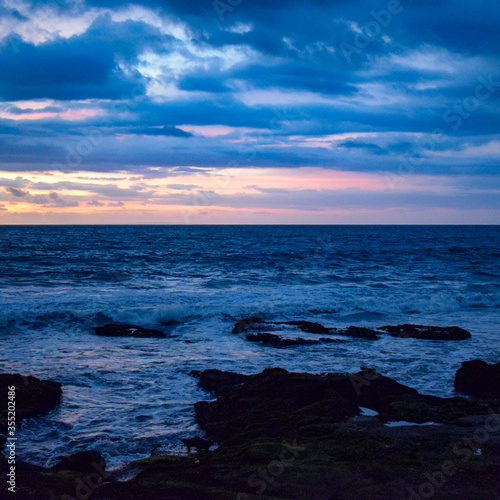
x: 285, y: 76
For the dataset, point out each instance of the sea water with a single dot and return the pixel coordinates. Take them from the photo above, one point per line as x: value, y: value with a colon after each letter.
x: 125, y: 397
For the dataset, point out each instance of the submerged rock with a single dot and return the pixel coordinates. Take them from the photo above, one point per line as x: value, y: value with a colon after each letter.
x: 33, y: 397
x: 272, y: 340
x: 360, y: 333
x: 256, y: 325
x: 245, y: 324
x: 307, y: 326
x: 478, y: 378
x: 127, y: 331
x: 427, y: 332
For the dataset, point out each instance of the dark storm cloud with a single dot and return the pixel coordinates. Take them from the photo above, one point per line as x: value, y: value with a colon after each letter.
x: 160, y: 131
x: 18, y: 193
x: 81, y: 67
x: 394, y: 68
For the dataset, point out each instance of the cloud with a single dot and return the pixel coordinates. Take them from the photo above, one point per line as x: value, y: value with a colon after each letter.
x: 159, y: 131
x: 96, y: 64
x: 18, y: 193
x: 116, y: 86
x: 182, y: 187
x: 13, y: 183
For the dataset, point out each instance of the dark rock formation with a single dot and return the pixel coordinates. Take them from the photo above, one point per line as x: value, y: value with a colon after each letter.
x: 299, y: 436
x: 127, y: 331
x: 272, y: 340
x: 244, y: 324
x: 76, y: 476
x: 83, y: 461
x: 256, y: 325
x: 479, y: 379
x: 33, y: 397
x: 262, y: 399
x: 218, y: 381
x: 427, y: 332
x: 198, y: 443
x: 358, y: 332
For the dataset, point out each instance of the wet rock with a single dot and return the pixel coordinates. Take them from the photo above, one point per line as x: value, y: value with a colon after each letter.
x: 269, y: 339
x: 299, y: 436
x: 256, y: 325
x: 478, y: 378
x: 246, y: 323
x: 307, y: 326
x: 262, y: 398
x: 427, y: 332
x: 127, y: 331
x: 217, y: 381
x: 33, y: 397
x: 85, y: 462
x: 198, y: 443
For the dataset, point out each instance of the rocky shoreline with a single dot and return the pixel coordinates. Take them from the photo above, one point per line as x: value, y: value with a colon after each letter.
x: 280, y: 435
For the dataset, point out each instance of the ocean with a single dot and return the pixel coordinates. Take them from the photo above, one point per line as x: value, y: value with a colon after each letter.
x: 125, y: 397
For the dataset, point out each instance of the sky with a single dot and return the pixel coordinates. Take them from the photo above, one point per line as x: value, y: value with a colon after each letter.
x: 249, y: 112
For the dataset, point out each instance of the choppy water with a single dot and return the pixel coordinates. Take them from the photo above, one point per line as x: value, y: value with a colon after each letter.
x: 123, y: 397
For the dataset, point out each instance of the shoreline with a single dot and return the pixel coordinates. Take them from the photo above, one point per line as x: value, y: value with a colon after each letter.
x: 285, y: 435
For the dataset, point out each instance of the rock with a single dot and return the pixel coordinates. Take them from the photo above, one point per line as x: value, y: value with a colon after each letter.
x: 427, y: 332
x: 74, y: 477
x: 402, y: 331
x: 85, y: 462
x: 261, y: 399
x: 218, y: 381
x: 307, y: 326
x: 244, y: 324
x: 374, y: 391
x: 272, y: 340
x: 300, y: 436
x: 198, y: 443
x: 127, y: 331
x: 478, y: 378
x: 33, y: 397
